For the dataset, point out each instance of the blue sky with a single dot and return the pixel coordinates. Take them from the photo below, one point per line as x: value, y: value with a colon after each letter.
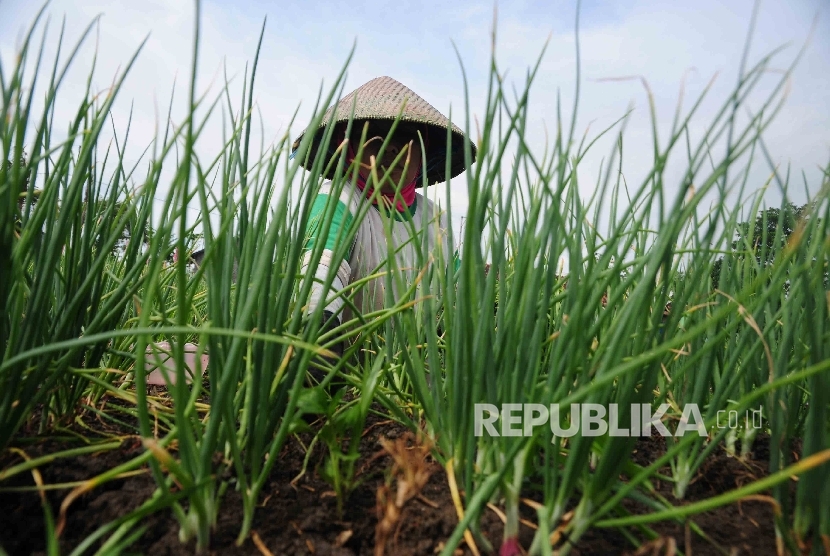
x: 307, y: 42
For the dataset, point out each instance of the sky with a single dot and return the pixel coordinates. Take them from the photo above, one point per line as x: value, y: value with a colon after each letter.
x: 667, y: 43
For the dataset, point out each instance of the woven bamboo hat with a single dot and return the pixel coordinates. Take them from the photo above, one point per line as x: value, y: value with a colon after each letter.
x: 381, y: 99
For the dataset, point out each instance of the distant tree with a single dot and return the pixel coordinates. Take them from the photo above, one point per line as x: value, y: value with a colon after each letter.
x: 762, y: 236
x: 23, y: 186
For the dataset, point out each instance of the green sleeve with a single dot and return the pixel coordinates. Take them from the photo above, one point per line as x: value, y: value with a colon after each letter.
x: 341, y: 220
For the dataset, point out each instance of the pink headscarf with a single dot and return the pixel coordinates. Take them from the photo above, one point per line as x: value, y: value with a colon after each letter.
x: 407, y: 191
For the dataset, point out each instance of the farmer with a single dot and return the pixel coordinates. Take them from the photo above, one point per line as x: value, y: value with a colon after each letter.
x: 412, y: 215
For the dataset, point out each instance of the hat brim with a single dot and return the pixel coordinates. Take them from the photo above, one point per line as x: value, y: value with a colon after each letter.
x: 436, y: 151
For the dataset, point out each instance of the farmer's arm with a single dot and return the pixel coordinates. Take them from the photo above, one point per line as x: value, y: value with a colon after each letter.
x: 341, y: 214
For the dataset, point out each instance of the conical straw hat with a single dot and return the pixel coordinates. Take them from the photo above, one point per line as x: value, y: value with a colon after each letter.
x: 381, y: 99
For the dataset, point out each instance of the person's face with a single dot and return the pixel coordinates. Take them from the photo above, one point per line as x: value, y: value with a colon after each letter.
x: 405, y: 140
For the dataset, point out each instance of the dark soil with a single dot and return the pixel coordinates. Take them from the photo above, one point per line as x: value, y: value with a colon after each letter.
x: 302, y: 518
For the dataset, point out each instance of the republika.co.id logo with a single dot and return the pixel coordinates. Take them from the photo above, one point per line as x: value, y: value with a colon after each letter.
x: 592, y: 419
